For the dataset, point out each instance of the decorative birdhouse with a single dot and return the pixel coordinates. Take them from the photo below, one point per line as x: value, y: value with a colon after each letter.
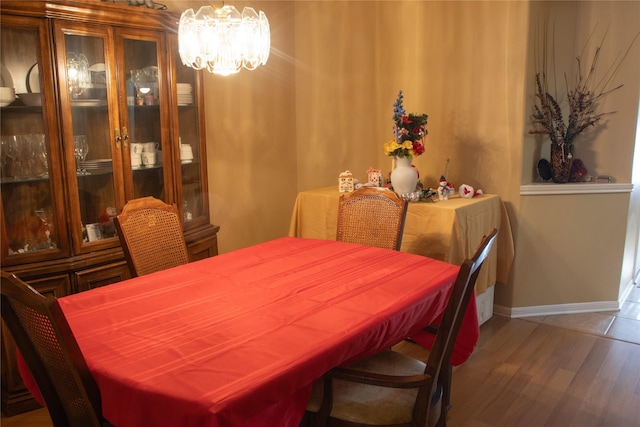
x: 345, y: 182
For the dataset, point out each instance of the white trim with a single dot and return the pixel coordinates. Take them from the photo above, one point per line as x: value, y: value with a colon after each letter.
x: 547, y: 310
x: 549, y: 188
x: 626, y: 292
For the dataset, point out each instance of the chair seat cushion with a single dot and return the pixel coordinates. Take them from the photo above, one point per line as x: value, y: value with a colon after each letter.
x: 375, y: 405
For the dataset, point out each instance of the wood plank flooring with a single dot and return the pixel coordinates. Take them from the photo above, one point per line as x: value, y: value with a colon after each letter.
x: 530, y: 374
x: 526, y: 374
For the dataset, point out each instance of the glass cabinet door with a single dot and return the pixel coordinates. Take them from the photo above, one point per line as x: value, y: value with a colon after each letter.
x: 32, y: 195
x: 116, y: 130
x: 147, y: 112
x: 191, y: 154
x: 90, y: 125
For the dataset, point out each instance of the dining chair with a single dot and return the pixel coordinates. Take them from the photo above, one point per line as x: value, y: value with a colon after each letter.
x: 393, y: 389
x: 372, y: 216
x: 48, y: 347
x: 151, y: 235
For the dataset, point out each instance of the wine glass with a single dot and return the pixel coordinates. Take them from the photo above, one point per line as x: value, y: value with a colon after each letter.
x: 4, y: 156
x: 14, y: 154
x: 42, y: 154
x: 81, y: 149
x: 29, y: 143
x: 83, y: 154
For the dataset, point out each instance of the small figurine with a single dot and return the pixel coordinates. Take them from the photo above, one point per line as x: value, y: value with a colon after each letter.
x: 374, y: 177
x: 106, y: 221
x: 467, y: 191
x: 345, y: 182
x: 444, y: 189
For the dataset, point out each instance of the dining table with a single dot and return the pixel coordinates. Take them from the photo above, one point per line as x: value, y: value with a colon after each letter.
x: 238, y: 339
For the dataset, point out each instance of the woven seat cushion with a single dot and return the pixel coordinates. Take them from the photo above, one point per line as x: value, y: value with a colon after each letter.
x: 367, y: 404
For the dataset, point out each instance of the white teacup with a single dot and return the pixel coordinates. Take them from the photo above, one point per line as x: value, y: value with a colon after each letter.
x: 150, y: 147
x: 136, y: 160
x: 148, y: 158
x: 136, y: 148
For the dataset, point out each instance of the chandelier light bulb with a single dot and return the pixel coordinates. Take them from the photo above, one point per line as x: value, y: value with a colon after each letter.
x: 223, y: 41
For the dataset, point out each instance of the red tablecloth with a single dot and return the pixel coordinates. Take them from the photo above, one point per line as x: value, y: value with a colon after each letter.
x: 238, y: 339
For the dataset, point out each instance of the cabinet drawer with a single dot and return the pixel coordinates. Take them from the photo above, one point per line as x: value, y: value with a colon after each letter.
x: 101, y: 276
x: 57, y: 286
x: 203, y: 249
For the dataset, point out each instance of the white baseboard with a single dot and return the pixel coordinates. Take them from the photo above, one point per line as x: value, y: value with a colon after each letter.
x: 548, y: 310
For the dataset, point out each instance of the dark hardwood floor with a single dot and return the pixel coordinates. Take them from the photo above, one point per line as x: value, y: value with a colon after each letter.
x: 526, y: 374
x: 530, y: 374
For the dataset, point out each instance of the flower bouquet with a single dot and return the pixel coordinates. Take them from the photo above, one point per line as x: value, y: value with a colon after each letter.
x: 409, y: 131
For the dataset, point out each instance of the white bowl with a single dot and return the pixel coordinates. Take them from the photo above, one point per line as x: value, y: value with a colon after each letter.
x: 30, y: 99
x: 7, y: 96
x: 7, y: 92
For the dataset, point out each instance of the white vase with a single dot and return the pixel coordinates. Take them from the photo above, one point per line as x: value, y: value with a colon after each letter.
x: 404, y: 178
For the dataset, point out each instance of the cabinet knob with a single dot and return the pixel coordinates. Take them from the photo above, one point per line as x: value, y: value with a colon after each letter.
x: 118, y: 138
x: 125, y: 137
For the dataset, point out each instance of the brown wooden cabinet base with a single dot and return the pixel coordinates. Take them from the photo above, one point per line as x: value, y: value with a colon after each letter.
x: 71, y: 275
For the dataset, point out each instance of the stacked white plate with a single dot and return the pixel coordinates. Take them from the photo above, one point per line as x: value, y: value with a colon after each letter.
x: 185, y: 94
x: 97, y: 165
x: 7, y: 96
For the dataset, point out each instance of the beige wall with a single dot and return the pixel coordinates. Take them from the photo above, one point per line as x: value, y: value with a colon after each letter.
x: 323, y: 104
x: 462, y: 63
x: 581, y: 248
x: 251, y: 137
x: 569, y: 250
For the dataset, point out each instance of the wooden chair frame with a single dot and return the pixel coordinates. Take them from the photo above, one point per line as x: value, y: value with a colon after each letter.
x: 51, y: 352
x: 429, y: 384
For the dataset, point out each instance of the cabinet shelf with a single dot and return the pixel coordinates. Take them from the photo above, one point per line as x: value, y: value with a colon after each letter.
x: 9, y: 180
x: 88, y: 103
x: 21, y: 108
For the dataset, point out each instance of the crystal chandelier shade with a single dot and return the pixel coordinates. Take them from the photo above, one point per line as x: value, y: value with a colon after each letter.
x: 223, y: 41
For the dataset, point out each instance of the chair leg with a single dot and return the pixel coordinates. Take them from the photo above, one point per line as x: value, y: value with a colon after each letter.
x: 445, y: 377
x: 306, y: 420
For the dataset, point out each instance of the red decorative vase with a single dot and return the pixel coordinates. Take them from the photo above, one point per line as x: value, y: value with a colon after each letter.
x: 561, y: 159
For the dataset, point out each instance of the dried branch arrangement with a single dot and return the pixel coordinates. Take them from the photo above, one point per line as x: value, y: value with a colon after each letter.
x: 583, y: 94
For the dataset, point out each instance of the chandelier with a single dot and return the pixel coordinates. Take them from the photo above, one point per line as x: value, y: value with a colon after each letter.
x: 223, y: 40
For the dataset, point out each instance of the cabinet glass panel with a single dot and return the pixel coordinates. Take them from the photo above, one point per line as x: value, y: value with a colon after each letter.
x: 94, y: 171
x: 28, y: 207
x: 144, y: 118
x: 190, y: 159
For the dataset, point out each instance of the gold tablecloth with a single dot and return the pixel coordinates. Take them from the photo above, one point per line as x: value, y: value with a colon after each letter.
x: 448, y: 230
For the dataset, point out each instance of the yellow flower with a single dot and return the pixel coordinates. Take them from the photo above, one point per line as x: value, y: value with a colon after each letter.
x: 390, y: 147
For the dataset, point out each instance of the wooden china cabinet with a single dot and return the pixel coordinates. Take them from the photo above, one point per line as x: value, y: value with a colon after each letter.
x: 98, y: 81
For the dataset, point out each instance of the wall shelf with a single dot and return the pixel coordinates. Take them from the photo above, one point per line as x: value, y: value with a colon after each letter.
x: 550, y: 188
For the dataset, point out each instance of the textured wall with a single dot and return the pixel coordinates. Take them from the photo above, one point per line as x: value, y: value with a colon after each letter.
x: 323, y: 104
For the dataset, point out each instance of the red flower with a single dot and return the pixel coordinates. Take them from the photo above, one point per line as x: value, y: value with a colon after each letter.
x: 418, y: 148
x: 405, y: 119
